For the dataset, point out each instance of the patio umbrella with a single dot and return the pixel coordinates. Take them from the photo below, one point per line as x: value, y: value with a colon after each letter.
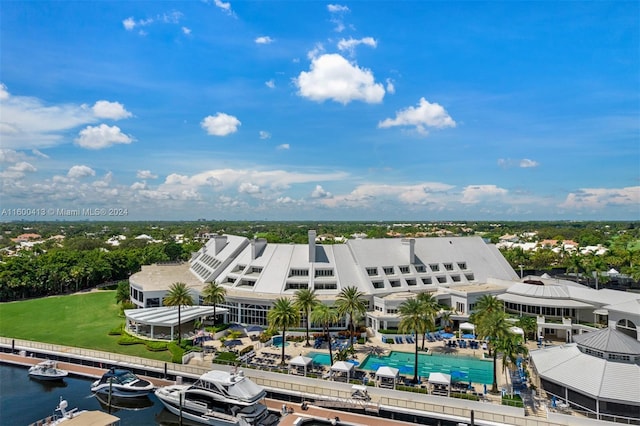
x: 233, y: 342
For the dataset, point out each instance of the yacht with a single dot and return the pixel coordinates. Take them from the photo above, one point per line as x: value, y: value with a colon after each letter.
x: 219, y: 398
x: 47, y: 370
x: 65, y: 417
x: 122, y: 383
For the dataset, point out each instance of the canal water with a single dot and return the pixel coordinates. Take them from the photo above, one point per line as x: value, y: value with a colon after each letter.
x: 24, y: 400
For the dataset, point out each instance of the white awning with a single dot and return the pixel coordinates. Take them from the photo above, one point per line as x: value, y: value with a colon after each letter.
x: 538, y: 301
x: 167, y: 316
x: 467, y: 326
x: 439, y: 378
x: 601, y: 312
x: 388, y: 372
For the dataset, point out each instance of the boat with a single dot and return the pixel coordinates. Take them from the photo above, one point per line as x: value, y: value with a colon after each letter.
x: 75, y: 417
x: 47, y: 370
x: 219, y: 398
x: 122, y: 383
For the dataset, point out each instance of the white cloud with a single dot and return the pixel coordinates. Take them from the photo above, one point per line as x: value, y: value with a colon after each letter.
x: 270, y: 84
x: 390, y: 86
x: 264, y: 134
x: 283, y: 146
x: 129, y: 23
x: 319, y: 192
x: 11, y: 156
x: 138, y: 186
x: 171, y: 17
x: 248, y: 188
x: 333, y: 8
x: 18, y: 170
x: 186, y: 30
x: 351, y: 44
x: 474, y: 194
x: 224, y: 6
x: 39, y: 154
x: 102, y: 136
x: 337, y: 12
x: 77, y: 172
x: 527, y: 163
x: 428, y: 193
x: 332, y: 77
x: 110, y: 110
x: 598, y: 198
x: 145, y: 174
x: 221, y: 124
x: 264, y: 40
x: 424, y: 116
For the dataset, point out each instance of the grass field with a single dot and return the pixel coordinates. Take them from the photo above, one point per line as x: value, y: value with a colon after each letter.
x: 81, y: 320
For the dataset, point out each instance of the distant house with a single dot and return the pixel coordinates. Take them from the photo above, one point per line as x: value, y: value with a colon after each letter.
x: 26, y: 237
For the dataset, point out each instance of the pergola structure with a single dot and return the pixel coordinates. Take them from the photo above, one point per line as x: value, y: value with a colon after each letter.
x: 300, y: 362
x: 387, y: 377
x: 342, y: 368
x: 160, y: 323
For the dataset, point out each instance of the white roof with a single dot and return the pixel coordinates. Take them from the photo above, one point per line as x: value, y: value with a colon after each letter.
x: 467, y: 326
x: 440, y: 378
x: 629, y: 307
x: 301, y: 361
x: 167, y: 316
x: 342, y: 366
x: 516, y: 330
x: 566, y: 365
x: 539, y: 301
x: 609, y: 340
x: 385, y: 371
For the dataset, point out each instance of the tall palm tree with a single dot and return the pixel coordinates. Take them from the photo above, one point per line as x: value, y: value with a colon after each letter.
x: 351, y: 302
x: 493, y: 325
x: 283, y: 315
x: 179, y: 296
x: 325, y: 315
x: 412, y: 319
x: 429, y: 309
x: 511, y: 347
x: 529, y: 325
x: 305, y: 300
x: 214, y: 294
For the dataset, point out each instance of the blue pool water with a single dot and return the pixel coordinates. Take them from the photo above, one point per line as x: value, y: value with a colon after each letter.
x: 277, y: 341
x: 463, y: 369
x: 320, y: 358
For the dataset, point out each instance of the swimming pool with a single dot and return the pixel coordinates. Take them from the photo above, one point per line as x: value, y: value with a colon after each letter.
x: 277, y: 341
x: 320, y: 358
x: 461, y: 368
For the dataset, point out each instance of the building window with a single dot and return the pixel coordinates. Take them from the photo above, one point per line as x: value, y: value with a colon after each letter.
x: 455, y: 278
x: 618, y: 357
x: 388, y: 270
x: 462, y: 265
x: 296, y: 286
x: 154, y: 302
x: 378, y: 284
x: 411, y: 282
x: 469, y: 277
x: 460, y: 307
x: 324, y: 273
x: 246, y: 283
x: 256, y: 269
x: 442, y: 280
x: 392, y: 311
x: 404, y: 269
x: 326, y: 286
x: 420, y: 268
x: 299, y: 273
x: 372, y: 271
x: 448, y: 266
x: 434, y: 267
x: 426, y: 280
x: 394, y: 283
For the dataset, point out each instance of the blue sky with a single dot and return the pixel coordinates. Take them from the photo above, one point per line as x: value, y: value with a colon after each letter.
x: 292, y: 110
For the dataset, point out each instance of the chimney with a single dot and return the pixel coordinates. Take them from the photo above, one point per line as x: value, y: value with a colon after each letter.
x: 312, y: 246
x: 219, y: 242
x: 411, y: 242
x: 257, y: 245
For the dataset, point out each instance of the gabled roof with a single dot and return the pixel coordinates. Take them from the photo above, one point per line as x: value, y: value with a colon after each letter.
x: 609, y: 340
x: 630, y: 307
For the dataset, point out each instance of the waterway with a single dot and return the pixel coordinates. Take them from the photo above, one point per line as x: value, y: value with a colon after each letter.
x: 24, y: 400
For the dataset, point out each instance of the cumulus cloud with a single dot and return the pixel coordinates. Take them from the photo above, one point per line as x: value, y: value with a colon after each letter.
x: 80, y: 171
x: 424, y: 116
x: 527, y: 163
x: 146, y: 174
x: 337, y: 12
x: 18, y: 170
x: 319, y: 192
x: 283, y: 146
x: 474, y: 194
x: 264, y: 134
x: 248, y: 188
x: 337, y: 8
x: 110, y: 110
x: 264, y: 40
x: 226, y: 6
x: 220, y: 124
x: 186, y: 30
x: 102, y: 136
x: 130, y: 23
x: 350, y: 44
x: 270, y: 84
x: 332, y: 77
x: 598, y: 198
x: 138, y: 186
x: 427, y: 193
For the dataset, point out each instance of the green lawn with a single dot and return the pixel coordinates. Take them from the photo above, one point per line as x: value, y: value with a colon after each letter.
x: 81, y: 320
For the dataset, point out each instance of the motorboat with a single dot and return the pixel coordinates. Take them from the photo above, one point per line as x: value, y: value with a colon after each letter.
x: 122, y: 383
x: 62, y: 416
x: 219, y: 398
x: 47, y: 370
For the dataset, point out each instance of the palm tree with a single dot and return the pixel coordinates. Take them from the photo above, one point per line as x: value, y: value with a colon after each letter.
x: 282, y: 315
x: 412, y: 319
x: 429, y: 310
x: 305, y: 300
x: 493, y: 325
x: 214, y: 294
x: 179, y: 296
x: 511, y: 347
x: 529, y: 325
x: 351, y: 302
x: 122, y: 292
x: 325, y: 315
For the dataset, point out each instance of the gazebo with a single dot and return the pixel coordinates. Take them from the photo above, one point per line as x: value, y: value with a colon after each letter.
x: 468, y: 327
x: 300, y: 363
x: 342, y: 368
x: 162, y: 322
x: 387, y: 377
x: 440, y: 384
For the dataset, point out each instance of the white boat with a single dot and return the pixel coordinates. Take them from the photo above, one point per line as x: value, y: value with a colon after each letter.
x: 73, y: 417
x: 47, y: 370
x: 219, y: 398
x: 122, y: 383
